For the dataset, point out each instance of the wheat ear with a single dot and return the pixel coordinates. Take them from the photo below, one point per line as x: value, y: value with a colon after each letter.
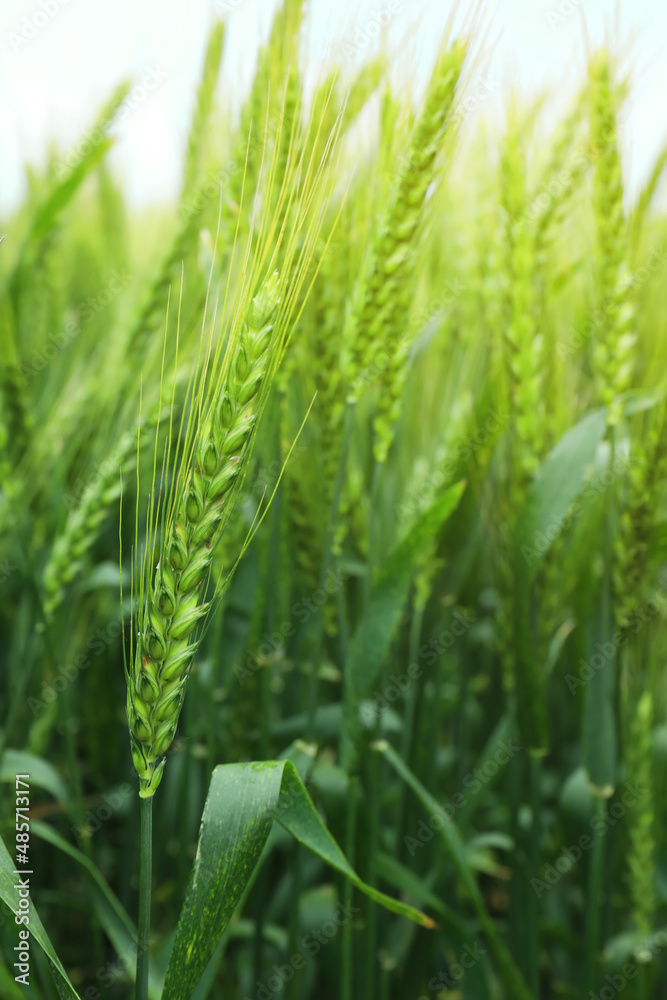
x: 641, y: 819
x: 202, y: 109
x: 385, y: 290
x: 614, y: 349
x: 85, y: 521
x: 386, y: 303
x: 174, y: 605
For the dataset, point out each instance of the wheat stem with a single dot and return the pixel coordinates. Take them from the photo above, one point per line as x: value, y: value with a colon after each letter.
x: 145, y: 873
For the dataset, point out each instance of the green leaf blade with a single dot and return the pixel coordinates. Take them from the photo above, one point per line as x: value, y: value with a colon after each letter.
x: 9, y: 896
x: 243, y: 801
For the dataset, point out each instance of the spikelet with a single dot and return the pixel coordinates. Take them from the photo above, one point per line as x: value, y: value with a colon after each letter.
x: 548, y: 207
x: 290, y: 111
x: 324, y: 361
x: 558, y: 180
x: 64, y: 181
x: 614, y: 348
x: 68, y: 177
x: 427, y: 568
x: 400, y: 260
x: 327, y: 100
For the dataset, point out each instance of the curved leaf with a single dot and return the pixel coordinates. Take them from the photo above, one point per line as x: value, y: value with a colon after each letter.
x: 9, y: 895
x: 547, y: 509
x: 455, y: 846
x: 373, y: 637
x: 110, y: 912
x: 556, y: 485
x: 375, y: 633
x: 243, y: 801
x: 42, y: 774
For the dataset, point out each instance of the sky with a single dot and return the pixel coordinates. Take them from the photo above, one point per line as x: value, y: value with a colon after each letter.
x: 61, y: 59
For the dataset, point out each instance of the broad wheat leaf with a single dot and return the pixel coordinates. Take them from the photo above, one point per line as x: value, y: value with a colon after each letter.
x: 42, y: 774
x: 242, y: 804
x: 554, y: 488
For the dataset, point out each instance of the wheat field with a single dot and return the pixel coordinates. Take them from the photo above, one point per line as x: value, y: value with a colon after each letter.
x: 332, y: 582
